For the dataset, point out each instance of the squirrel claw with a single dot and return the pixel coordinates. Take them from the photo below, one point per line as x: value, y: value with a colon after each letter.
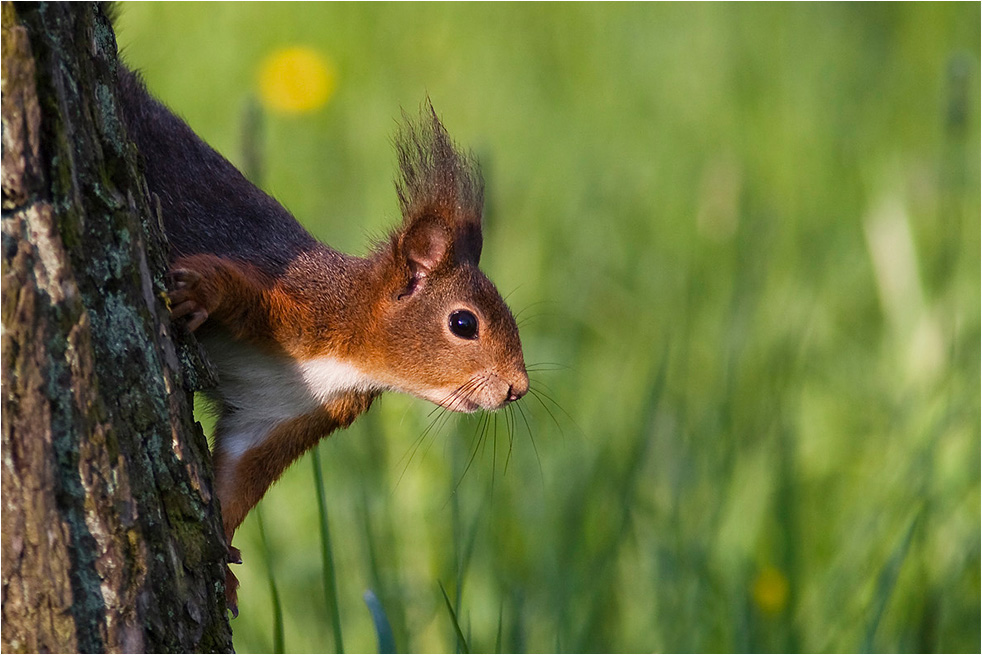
x: 234, y: 556
x: 197, y: 318
x: 180, y: 307
x: 195, y: 313
x: 231, y: 595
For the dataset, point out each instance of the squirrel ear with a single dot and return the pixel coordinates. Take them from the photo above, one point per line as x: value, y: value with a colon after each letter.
x: 425, y: 245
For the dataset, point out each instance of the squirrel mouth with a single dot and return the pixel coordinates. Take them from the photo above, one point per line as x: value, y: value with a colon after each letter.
x: 484, y: 391
x: 470, y: 404
x: 459, y: 404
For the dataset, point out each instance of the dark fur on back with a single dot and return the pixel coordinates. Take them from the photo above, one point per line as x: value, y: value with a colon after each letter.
x: 208, y: 205
x: 437, y: 179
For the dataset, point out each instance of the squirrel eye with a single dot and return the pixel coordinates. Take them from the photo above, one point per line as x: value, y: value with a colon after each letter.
x: 463, y: 324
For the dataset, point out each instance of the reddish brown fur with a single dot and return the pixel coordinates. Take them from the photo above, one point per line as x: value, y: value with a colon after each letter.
x: 242, y: 484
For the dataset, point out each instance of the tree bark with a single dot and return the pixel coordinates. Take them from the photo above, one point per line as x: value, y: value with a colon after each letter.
x: 111, y: 535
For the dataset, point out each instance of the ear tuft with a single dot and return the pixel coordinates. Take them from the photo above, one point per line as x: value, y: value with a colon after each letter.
x: 438, y: 184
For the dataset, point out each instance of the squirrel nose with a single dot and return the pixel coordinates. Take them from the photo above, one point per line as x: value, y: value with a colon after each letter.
x: 517, y: 390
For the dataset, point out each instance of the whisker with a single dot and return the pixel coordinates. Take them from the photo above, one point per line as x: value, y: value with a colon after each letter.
x: 460, y: 392
x: 536, y: 394
x: 432, y: 429
x: 535, y: 449
x: 508, y: 295
x: 539, y: 367
x: 494, y: 453
x: 531, y: 305
x: 494, y: 460
x: 477, y: 445
x: 494, y: 428
x: 436, y: 425
x: 552, y: 400
x: 525, y: 321
x: 521, y: 410
x: 540, y: 384
x: 415, y: 445
x: 512, y: 425
x: 525, y: 308
x: 547, y: 313
x: 511, y: 443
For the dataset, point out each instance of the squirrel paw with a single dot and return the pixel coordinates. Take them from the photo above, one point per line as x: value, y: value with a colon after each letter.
x: 183, y: 297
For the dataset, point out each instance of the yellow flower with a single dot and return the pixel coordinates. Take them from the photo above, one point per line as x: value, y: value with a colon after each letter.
x: 296, y: 80
x: 770, y: 590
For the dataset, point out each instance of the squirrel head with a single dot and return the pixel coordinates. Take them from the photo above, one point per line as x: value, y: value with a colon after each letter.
x: 443, y: 331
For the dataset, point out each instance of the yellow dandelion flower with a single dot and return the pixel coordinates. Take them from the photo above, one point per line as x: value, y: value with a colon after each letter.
x: 296, y: 80
x: 770, y: 590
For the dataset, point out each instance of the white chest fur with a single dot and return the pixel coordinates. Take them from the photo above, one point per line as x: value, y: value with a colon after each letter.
x: 259, y: 390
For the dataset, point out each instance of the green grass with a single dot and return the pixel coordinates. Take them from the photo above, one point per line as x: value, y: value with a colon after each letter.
x: 745, y: 244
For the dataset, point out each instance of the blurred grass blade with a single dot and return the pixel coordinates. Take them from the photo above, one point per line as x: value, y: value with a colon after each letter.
x: 501, y: 616
x: 461, y: 642
x: 253, y: 132
x: 278, y: 640
x: 886, y: 582
x: 386, y: 640
x: 327, y: 554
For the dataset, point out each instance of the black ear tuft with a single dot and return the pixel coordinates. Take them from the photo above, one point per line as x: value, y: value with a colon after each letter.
x: 439, y: 184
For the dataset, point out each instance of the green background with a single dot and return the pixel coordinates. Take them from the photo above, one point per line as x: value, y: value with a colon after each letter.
x: 743, y: 245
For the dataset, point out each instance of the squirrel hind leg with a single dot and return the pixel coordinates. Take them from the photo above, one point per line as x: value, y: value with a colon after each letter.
x: 232, y: 582
x: 231, y: 592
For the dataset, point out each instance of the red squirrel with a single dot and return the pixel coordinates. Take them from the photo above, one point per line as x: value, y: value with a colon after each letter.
x: 304, y: 337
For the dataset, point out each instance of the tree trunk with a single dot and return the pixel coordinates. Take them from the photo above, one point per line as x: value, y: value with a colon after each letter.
x: 111, y: 535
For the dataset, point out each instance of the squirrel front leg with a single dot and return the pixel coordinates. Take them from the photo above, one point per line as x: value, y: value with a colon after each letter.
x: 229, y: 293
